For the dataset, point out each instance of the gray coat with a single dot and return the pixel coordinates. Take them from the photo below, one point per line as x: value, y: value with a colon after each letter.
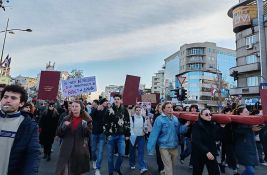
x: 245, y: 145
x: 74, y: 149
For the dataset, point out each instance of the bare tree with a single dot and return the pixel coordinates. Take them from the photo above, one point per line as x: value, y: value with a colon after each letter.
x: 75, y: 73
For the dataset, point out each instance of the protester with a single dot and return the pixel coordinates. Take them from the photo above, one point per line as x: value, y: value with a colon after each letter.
x: 74, y: 131
x: 117, y: 129
x: 20, y: 149
x: 67, y: 105
x: 204, y: 136
x: 158, y: 112
x: 245, y: 144
x: 48, y: 126
x: 165, y: 131
x: 186, y: 138
x: 138, y: 129
x: 98, y: 136
x: 227, y: 153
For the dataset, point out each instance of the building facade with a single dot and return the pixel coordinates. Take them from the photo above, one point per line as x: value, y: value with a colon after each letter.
x: 248, y: 58
x: 171, y: 65
x: 158, y: 83
x: 205, y: 68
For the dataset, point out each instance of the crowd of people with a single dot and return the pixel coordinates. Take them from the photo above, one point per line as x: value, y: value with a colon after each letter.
x: 28, y: 130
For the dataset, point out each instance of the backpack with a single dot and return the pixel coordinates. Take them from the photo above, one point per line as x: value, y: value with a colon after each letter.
x: 143, y: 120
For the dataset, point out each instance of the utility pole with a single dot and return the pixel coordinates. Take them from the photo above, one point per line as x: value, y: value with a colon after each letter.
x: 262, y: 41
x: 4, y: 41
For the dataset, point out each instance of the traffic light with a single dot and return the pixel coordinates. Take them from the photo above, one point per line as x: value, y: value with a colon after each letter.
x: 176, y: 93
x: 183, y: 94
x: 235, y: 75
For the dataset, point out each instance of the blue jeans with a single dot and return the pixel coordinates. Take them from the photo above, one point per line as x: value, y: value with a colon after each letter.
x: 113, y: 140
x: 140, y: 142
x: 249, y: 170
x: 97, y: 144
x: 188, y: 149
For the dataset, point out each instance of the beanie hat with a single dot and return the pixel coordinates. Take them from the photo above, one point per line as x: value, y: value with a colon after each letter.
x: 102, y: 101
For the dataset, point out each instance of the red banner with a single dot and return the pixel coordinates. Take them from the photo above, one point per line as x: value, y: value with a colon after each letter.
x: 48, y: 86
x: 263, y: 94
x: 131, y: 90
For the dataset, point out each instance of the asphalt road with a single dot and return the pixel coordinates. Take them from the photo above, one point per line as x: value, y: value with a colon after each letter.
x: 48, y: 168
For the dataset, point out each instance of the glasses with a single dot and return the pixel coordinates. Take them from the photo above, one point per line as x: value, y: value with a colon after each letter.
x: 208, y: 114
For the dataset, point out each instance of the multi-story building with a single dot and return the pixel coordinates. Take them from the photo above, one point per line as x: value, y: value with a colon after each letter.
x: 205, y: 68
x: 111, y: 89
x: 171, y: 69
x: 158, y: 83
x: 248, y: 60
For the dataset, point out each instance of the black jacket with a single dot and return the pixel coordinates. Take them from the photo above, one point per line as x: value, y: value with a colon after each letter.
x: 204, y: 136
x: 98, y: 117
x: 245, y: 145
x: 25, y: 152
x: 117, y: 121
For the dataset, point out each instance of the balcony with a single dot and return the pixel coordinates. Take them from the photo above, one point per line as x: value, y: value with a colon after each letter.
x: 245, y: 90
x: 246, y: 68
x: 190, y: 61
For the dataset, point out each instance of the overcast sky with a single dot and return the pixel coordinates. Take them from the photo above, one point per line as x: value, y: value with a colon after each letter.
x: 110, y: 38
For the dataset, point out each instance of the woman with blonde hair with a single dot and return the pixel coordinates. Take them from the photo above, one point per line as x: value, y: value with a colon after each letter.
x: 74, y: 131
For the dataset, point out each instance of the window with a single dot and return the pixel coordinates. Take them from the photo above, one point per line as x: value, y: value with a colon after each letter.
x: 195, y: 66
x: 250, y: 39
x: 251, y: 59
x: 195, y: 51
x: 196, y: 59
x: 252, y: 81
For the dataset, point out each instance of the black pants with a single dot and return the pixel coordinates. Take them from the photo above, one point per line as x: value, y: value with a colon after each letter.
x: 47, y: 149
x: 127, y: 147
x: 159, y: 160
x: 212, y: 166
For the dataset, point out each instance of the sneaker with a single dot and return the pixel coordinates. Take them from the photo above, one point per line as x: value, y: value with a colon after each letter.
x: 116, y: 154
x: 132, y: 167
x: 190, y: 166
x: 181, y: 161
x: 264, y: 163
x: 94, y: 165
x: 97, y: 172
x: 143, y: 170
x: 162, y: 172
x: 127, y: 155
x: 118, y: 171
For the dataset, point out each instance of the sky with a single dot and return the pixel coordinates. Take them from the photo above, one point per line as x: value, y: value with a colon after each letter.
x: 110, y: 38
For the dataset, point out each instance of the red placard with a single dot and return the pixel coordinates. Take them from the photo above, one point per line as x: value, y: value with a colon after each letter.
x: 48, y: 86
x: 263, y: 94
x: 131, y: 90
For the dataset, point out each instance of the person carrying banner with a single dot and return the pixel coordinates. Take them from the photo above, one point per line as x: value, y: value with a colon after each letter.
x: 165, y: 132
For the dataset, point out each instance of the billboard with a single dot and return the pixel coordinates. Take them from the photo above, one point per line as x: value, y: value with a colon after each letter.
x: 243, y: 16
x: 74, y: 87
x: 48, y: 86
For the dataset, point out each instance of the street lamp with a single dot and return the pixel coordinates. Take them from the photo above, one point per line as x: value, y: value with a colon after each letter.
x: 12, y: 32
